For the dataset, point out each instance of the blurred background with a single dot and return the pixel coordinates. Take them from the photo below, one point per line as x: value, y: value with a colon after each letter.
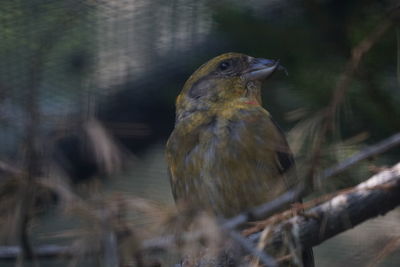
x: 87, y: 91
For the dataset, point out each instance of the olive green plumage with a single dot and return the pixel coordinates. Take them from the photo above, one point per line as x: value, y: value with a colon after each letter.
x: 225, y: 153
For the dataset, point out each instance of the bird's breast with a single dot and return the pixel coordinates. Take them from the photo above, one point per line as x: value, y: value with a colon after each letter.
x: 214, y: 167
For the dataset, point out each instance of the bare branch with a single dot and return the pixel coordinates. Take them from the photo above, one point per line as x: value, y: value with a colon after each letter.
x: 45, y: 251
x: 9, y: 169
x: 266, y: 259
x: 368, y: 152
x: 391, y: 246
x: 364, y: 197
x: 374, y: 197
x: 343, y: 84
x: 267, y: 209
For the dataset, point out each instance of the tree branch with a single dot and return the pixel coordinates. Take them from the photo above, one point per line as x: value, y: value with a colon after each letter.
x: 267, y: 209
x: 369, y: 199
x: 343, y: 85
x: 368, y: 152
x: 374, y: 197
x: 266, y: 259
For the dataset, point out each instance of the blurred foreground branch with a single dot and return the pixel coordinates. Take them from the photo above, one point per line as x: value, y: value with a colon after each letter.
x: 374, y: 197
x: 9, y: 169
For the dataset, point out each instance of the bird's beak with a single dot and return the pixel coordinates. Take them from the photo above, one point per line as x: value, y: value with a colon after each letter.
x: 260, y: 69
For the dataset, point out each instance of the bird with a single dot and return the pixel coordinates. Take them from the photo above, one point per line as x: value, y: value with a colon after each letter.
x: 226, y: 154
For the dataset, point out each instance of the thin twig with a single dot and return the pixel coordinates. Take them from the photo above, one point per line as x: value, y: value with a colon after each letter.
x: 266, y: 209
x: 43, y: 46
x: 43, y: 251
x: 374, y: 197
x: 266, y: 259
x: 109, y: 240
x: 391, y: 246
x: 9, y: 169
x: 343, y: 85
x: 366, y: 153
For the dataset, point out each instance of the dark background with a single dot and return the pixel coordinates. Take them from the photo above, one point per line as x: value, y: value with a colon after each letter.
x: 65, y: 63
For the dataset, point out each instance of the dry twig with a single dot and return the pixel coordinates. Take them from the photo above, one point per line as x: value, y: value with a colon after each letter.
x: 343, y: 84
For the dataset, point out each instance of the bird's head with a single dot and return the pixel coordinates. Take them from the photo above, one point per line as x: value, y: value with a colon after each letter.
x: 226, y: 78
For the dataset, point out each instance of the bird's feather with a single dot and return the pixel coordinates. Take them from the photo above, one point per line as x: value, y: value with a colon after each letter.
x: 239, y: 156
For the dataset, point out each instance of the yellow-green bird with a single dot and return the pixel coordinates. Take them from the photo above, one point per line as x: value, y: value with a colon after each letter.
x: 226, y: 154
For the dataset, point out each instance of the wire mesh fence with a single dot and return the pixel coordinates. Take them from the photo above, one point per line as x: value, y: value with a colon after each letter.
x: 117, y: 66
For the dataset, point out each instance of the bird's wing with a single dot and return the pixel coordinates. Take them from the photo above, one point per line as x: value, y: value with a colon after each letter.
x: 263, y: 142
x: 285, y: 158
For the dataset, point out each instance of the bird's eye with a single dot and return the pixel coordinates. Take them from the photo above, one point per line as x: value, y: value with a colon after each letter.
x: 224, y: 65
